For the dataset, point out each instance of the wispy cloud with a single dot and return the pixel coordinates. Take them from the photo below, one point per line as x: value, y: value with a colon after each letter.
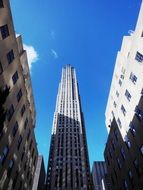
x: 54, y: 54
x: 53, y: 35
x: 130, y: 32
x: 32, y: 55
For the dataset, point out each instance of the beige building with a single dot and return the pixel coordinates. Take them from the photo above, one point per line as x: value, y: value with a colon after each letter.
x: 127, y: 81
x: 18, y: 149
x: 124, y: 115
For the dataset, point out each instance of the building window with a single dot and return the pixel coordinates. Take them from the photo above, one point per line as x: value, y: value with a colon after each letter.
x: 130, y: 174
x: 114, y: 103
x: 125, y: 185
x: 4, y: 31
x: 119, y: 123
x: 132, y: 128
x: 15, y: 128
x: 4, y: 154
x: 122, y: 76
x: 120, y: 82
x: 127, y: 142
x: 23, y: 110
x: 10, y: 56
x: 19, y: 95
x: 133, y: 78
x: 10, y: 166
x: 119, y: 163
x: 10, y: 112
x: 1, y: 4
x: 139, y: 113
x: 123, y: 110
x: 117, y: 93
x: 15, y: 77
x: 123, y: 153
x: 25, y: 123
x: 19, y: 142
x: 137, y: 167
x: 1, y: 69
x: 141, y: 149
x: 139, y: 57
x: 128, y: 95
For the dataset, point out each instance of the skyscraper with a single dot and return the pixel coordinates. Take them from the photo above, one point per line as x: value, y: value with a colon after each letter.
x: 68, y: 167
x: 18, y: 147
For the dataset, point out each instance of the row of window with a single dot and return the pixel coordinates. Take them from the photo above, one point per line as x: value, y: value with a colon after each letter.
x: 4, y: 31
x: 10, y: 58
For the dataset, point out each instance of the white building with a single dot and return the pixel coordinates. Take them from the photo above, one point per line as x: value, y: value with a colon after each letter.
x: 127, y: 82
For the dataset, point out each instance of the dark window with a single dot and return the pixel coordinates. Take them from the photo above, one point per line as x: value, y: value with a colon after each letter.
x: 25, y: 123
x: 1, y: 3
x: 10, y: 112
x: 119, y: 163
x: 22, y: 110
x: 10, y: 166
x: 119, y: 123
x: 139, y: 57
x: 139, y: 113
x: 117, y: 93
x: 10, y: 56
x: 128, y: 95
x: 125, y: 185
x: 4, y: 154
x: 28, y: 135
x: 1, y: 69
x: 22, y: 156
x: 15, y: 128
x: 15, y: 179
x: 114, y: 103
x: 4, y: 31
x: 19, y: 95
x: 133, y: 78
x: 19, y: 141
x: 120, y: 82
x: 132, y: 128
x: 141, y: 149
x: 123, y: 153
x: 137, y: 167
x: 130, y: 174
x: 123, y: 110
x: 15, y: 77
x: 127, y: 142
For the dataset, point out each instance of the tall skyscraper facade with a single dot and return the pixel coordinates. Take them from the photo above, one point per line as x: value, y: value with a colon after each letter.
x: 18, y: 148
x: 68, y: 167
x: 124, y: 114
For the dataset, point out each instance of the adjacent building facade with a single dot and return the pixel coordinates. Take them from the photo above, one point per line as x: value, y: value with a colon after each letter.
x: 40, y: 175
x: 99, y: 175
x: 18, y: 149
x: 124, y: 114
x: 68, y: 167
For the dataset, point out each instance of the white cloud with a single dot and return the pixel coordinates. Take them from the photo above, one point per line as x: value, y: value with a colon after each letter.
x: 32, y: 55
x: 53, y: 35
x: 54, y: 54
x: 130, y: 32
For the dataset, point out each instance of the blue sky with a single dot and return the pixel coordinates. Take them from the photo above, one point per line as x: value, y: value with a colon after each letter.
x: 84, y: 33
